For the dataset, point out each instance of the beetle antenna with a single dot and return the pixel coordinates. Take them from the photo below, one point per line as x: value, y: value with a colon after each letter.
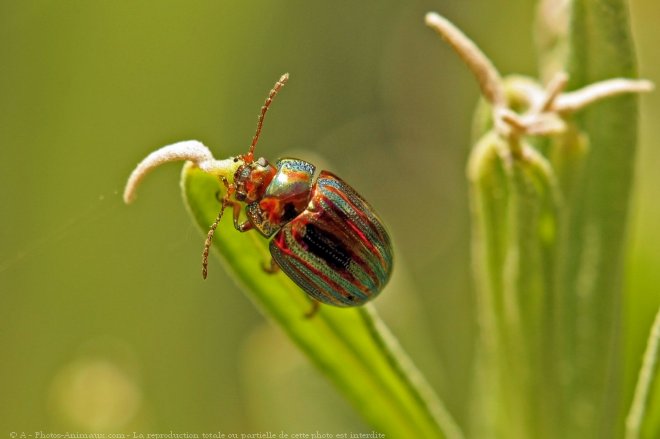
x: 209, y: 240
x: 249, y: 157
x: 229, y: 187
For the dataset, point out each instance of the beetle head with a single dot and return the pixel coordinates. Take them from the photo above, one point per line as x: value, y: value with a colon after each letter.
x: 252, y: 179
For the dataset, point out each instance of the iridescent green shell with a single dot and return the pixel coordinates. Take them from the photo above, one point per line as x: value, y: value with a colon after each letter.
x: 337, y: 249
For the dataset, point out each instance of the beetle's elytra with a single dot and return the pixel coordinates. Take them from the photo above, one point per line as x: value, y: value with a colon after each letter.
x: 336, y: 250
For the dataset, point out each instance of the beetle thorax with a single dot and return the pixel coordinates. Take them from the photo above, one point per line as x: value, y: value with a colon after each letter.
x: 252, y: 179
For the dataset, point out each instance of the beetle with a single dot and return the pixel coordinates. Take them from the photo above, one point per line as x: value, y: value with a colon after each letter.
x: 324, y: 235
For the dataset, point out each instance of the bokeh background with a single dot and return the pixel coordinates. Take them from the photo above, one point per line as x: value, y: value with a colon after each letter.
x: 105, y: 322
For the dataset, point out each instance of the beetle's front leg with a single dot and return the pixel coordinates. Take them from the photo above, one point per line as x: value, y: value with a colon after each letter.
x: 224, y: 202
x: 236, y: 207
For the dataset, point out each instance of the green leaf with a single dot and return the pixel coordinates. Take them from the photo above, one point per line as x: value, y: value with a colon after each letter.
x: 587, y: 298
x: 352, y: 347
x: 644, y: 416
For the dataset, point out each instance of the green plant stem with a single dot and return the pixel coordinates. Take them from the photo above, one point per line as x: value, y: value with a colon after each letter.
x: 488, y: 202
x: 514, y: 204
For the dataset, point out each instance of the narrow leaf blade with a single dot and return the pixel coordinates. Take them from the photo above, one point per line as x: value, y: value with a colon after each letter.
x: 350, y: 346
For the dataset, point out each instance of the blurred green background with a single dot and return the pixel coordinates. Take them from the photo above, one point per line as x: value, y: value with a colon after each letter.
x: 105, y: 322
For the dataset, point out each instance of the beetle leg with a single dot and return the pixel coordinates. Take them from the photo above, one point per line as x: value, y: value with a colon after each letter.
x: 316, y: 305
x: 245, y: 225
x: 272, y: 267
